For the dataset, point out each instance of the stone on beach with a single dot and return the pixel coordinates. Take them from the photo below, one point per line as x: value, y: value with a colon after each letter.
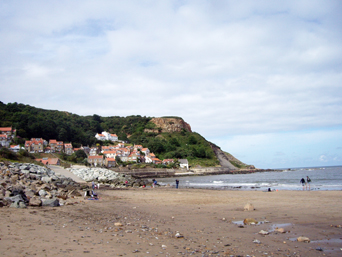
x: 303, y: 239
x: 35, y: 201
x: 50, y: 202
x: 249, y: 207
x: 249, y: 221
x: 280, y: 230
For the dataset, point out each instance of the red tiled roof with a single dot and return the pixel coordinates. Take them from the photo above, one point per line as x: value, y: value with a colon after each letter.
x: 6, y: 129
x: 109, y: 152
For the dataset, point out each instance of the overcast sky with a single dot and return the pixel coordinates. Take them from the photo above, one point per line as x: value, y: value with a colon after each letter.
x: 261, y: 79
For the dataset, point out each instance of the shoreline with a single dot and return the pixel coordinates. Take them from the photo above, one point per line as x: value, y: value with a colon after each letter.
x: 167, y: 173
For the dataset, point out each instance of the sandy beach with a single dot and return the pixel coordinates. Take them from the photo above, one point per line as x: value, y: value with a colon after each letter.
x: 145, y: 222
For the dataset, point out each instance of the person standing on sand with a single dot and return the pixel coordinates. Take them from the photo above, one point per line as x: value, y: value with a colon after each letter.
x: 308, y: 180
x: 177, y: 183
x: 154, y: 183
x: 303, y: 182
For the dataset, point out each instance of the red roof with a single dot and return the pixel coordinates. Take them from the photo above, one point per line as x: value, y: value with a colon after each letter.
x: 6, y: 129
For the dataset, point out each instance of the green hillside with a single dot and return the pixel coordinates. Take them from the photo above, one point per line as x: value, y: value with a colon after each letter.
x: 31, y: 122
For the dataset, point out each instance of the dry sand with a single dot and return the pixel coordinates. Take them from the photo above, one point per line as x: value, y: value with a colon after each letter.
x: 150, y: 219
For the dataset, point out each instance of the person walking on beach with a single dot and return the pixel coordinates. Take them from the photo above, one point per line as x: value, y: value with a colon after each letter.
x: 308, y: 180
x: 177, y: 183
x: 303, y: 182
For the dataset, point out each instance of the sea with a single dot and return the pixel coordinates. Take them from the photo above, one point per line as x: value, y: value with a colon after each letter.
x: 322, y: 178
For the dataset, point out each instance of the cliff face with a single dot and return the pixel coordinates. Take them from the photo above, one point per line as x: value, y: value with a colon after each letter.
x: 169, y: 125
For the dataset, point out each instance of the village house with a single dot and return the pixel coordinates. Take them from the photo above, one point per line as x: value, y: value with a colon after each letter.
x: 121, y: 145
x: 123, y: 153
x: 53, y: 145
x: 60, y: 146
x: 7, y: 131
x: 136, y: 147
x: 168, y: 161
x: 133, y: 157
x: 35, y: 145
x: 110, y: 154
x: 68, y: 149
x: 100, y: 137
x: 183, y: 163
x: 56, y: 146
x: 110, y: 162
x: 4, y: 140
x: 148, y: 159
x: 109, y: 148
x: 146, y: 151
x: 156, y: 161
x: 96, y: 160
x: 16, y: 148
x: 106, y: 136
x: 94, y: 151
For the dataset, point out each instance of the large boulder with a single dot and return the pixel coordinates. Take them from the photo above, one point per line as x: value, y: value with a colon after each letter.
x: 50, y: 202
x: 35, y: 201
x: 42, y: 192
x: 18, y: 204
x: 46, y: 179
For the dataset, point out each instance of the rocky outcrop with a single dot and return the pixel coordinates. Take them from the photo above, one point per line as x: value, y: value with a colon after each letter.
x: 169, y: 125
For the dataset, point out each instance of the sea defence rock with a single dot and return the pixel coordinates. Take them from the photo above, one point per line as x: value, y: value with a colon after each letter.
x: 106, y: 176
x: 28, y: 184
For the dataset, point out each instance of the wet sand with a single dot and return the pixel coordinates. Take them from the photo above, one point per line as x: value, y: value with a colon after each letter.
x: 144, y: 222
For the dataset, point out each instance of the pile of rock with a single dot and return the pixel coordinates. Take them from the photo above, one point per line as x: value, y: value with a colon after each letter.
x: 109, y: 177
x: 29, y: 184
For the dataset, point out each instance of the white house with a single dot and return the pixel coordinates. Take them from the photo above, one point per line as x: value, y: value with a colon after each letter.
x: 146, y: 151
x: 148, y: 159
x: 183, y: 163
x: 110, y: 154
x: 106, y: 136
x: 16, y: 148
x: 100, y: 137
